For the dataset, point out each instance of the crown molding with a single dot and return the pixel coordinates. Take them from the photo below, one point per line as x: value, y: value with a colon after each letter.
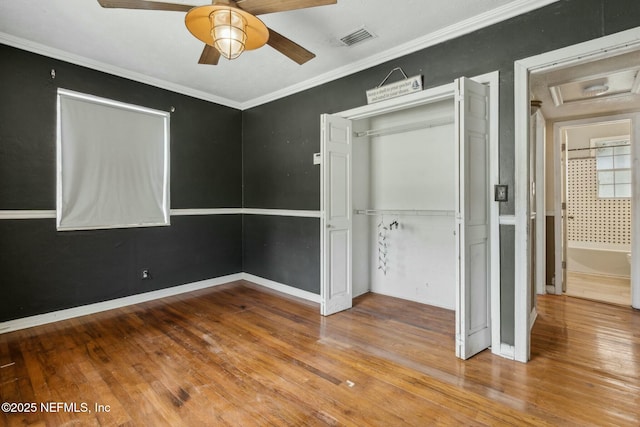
x: 62, y: 55
x: 467, y: 26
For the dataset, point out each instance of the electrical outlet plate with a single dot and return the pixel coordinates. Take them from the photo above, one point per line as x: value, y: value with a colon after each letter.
x: 501, y: 193
x: 317, y: 158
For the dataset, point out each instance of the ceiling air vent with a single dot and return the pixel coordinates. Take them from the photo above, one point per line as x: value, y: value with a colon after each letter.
x: 356, y: 37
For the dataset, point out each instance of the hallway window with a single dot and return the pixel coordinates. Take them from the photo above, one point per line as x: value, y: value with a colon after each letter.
x: 613, y: 166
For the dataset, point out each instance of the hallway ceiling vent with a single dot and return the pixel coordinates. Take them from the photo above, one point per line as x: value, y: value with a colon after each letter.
x: 357, y: 36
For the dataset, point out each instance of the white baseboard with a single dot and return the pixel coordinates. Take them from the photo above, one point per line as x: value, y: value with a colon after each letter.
x: 533, y: 317
x: 55, y: 316
x: 41, y: 319
x: 507, y: 351
x: 285, y: 289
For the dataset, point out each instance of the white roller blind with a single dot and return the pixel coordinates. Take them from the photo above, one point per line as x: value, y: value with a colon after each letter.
x: 112, y: 164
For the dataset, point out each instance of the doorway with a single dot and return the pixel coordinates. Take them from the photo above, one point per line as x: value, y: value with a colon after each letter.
x: 587, y: 57
x: 597, y: 221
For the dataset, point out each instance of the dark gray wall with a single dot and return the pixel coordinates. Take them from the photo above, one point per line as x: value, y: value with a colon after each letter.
x: 220, y: 157
x: 280, y: 137
x: 283, y: 249
x: 42, y: 270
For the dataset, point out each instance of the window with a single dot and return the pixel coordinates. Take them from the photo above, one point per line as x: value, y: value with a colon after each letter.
x: 112, y: 164
x: 613, y: 166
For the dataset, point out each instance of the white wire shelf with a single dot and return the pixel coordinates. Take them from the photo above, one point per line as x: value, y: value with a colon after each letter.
x: 408, y: 212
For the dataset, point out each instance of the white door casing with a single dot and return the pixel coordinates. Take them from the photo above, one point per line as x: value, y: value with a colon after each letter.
x: 588, y: 51
x: 336, y: 234
x: 473, y: 310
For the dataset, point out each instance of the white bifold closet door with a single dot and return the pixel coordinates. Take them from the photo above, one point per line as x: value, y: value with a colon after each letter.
x: 473, y: 309
x: 473, y: 326
x: 336, y: 236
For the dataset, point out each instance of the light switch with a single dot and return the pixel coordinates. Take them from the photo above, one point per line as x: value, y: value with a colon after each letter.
x: 501, y: 193
x: 317, y: 158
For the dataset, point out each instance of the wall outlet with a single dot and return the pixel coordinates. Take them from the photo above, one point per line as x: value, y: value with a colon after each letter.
x: 146, y: 274
x: 501, y: 193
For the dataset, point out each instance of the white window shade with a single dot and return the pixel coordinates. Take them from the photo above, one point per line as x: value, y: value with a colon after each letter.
x: 112, y: 164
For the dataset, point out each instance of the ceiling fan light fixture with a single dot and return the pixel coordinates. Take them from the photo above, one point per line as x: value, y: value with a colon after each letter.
x: 228, y: 29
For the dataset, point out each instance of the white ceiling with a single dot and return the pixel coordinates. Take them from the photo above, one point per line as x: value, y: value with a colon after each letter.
x: 155, y: 47
x: 620, y: 73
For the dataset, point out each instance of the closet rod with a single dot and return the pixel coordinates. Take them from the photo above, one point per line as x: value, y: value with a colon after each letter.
x: 596, y: 148
x: 406, y: 127
x: 412, y: 212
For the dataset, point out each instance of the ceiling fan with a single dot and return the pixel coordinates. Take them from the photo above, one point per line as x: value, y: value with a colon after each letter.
x: 229, y: 27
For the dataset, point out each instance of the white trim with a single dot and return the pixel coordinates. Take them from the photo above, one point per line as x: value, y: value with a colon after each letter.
x: 618, y: 43
x: 521, y: 248
x: 541, y: 236
x: 55, y: 316
x: 41, y: 319
x: 285, y: 289
x: 467, y: 26
x: 427, y: 96
x: 507, y: 220
x: 494, y: 207
x: 40, y: 214
x: 558, y: 221
x: 507, y: 351
x: 27, y: 214
x: 72, y: 58
x: 214, y: 211
x: 533, y: 317
x: 282, y: 212
x: 83, y: 61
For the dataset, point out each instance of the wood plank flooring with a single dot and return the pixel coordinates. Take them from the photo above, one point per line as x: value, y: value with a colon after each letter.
x: 614, y: 290
x: 239, y: 355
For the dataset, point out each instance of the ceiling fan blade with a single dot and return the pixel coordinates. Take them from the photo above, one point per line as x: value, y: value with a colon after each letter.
x: 210, y: 55
x: 289, y: 48
x: 260, y: 7
x: 144, y: 4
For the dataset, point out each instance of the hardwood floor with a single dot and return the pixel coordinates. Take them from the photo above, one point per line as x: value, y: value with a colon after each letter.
x: 614, y: 290
x: 240, y: 355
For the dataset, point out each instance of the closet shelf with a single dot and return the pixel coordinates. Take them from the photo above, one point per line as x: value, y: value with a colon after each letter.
x: 442, y: 121
x: 410, y: 212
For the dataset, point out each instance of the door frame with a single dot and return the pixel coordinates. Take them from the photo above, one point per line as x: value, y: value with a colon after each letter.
x: 592, y: 50
x: 560, y: 184
x: 437, y: 94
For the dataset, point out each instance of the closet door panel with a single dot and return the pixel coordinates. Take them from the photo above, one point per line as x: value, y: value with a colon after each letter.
x: 473, y: 321
x: 336, y: 288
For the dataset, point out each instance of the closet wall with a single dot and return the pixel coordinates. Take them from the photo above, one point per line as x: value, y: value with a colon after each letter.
x: 403, y: 196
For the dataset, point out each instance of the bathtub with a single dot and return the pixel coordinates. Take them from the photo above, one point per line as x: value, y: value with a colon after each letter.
x: 598, y: 258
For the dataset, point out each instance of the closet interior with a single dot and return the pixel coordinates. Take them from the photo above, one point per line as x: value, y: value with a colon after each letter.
x: 403, y: 193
